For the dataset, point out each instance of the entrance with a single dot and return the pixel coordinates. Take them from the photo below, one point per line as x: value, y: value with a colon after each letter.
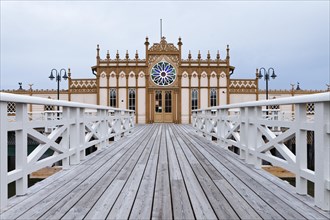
x: 163, y: 106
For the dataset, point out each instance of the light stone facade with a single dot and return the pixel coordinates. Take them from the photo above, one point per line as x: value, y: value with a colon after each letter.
x: 163, y: 87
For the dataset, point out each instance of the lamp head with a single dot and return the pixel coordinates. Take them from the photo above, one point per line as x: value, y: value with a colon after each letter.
x: 51, y: 77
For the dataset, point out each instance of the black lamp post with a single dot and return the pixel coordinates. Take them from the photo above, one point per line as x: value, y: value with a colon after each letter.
x: 57, y: 77
x: 267, y: 77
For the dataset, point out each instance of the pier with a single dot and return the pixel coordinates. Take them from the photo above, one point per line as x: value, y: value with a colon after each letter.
x: 163, y: 171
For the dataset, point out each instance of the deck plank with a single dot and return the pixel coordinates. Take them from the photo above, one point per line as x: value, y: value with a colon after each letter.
x: 162, y: 171
x: 142, y: 207
x: 162, y: 206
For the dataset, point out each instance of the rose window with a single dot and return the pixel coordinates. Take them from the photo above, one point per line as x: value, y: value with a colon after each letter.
x: 163, y: 73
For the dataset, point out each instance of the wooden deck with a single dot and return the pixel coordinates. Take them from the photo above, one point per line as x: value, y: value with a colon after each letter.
x: 162, y: 171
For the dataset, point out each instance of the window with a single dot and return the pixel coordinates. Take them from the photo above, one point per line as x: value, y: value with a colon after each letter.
x: 168, y: 101
x: 163, y: 74
x: 194, y: 99
x: 158, y: 101
x: 213, y: 97
x: 113, y: 98
x: 131, y: 99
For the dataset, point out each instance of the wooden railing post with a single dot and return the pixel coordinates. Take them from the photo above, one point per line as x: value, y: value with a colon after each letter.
x: 21, y: 148
x: 322, y: 155
x: 3, y: 155
x: 117, y: 125
x: 301, y: 148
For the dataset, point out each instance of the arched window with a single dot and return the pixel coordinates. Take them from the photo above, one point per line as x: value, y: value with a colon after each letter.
x: 194, y: 99
x: 213, y: 97
x: 131, y: 99
x: 113, y: 98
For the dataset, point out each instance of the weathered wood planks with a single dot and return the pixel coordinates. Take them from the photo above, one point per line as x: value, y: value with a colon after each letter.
x: 161, y: 171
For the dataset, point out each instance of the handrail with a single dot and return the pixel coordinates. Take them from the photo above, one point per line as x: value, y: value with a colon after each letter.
x: 320, y: 97
x: 259, y: 138
x: 67, y: 133
x: 8, y: 97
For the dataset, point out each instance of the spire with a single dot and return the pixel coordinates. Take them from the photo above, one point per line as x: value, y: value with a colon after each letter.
x: 108, y: 55
x: 136, y: 55
x: 218, y: 55
x: 127, y: 56
x: 208, y: 55
x: 69, y: 72
x: 117, y: 55
x: 227, y: 57
x: 199, y: 55
x: 189, y: 55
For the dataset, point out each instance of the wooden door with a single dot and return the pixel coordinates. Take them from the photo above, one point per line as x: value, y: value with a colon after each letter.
x: 163, y: 101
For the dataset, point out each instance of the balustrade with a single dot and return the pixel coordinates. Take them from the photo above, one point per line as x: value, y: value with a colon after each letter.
x: 67, y: 134
x: 259, y: 137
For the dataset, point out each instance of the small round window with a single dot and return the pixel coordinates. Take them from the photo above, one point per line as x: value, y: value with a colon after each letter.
x: 163, y: 74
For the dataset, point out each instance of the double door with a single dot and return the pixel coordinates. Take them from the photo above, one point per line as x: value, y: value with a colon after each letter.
x: 163, y: 106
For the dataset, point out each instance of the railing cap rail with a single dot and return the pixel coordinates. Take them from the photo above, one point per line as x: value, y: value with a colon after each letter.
x: 313, y: 98
x: 8, y: 97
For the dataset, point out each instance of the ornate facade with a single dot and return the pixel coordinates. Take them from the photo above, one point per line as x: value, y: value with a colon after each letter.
x: 163, y: 87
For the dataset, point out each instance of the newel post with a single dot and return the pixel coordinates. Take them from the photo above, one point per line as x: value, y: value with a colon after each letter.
x: 3, y: 155
x: 222, y: 115
x: 301, y: 148
x: 322, y: 155
x: 117, y: 125
x: 21, y: 148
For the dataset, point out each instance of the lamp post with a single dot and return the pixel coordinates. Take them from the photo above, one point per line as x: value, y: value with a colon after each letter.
x: 57, y: 77
x: 267, y: 77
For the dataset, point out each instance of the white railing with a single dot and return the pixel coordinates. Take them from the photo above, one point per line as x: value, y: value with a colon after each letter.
x: 67, y: 133
x: 252, y: 135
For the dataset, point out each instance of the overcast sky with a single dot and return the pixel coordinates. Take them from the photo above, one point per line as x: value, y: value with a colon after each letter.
x: 290, y: 36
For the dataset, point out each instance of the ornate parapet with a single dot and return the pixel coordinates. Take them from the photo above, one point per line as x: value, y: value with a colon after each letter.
x: 243, y: 86
x: 83, y: 86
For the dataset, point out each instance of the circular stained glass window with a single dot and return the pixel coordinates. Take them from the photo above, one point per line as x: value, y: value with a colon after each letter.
x: 163, y: 73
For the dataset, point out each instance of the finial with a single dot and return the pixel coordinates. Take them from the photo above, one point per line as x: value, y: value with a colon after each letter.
x: 127, y: 56
x: 97, y: 52
x: 136, y: 55
x: 208, y: 55
x: 147, y: 42
x: 179, y: 43
x: 218, y: 55
x: 69, y: 72
x: 227, y: 57
x: 328, y: 85
x: 108, y: 55
x: 199, y: 55
x: 189, y: 55
x: 257, y: 73
x: 117, y: 55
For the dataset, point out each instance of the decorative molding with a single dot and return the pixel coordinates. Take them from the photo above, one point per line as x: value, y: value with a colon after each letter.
x: 163, y: 46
